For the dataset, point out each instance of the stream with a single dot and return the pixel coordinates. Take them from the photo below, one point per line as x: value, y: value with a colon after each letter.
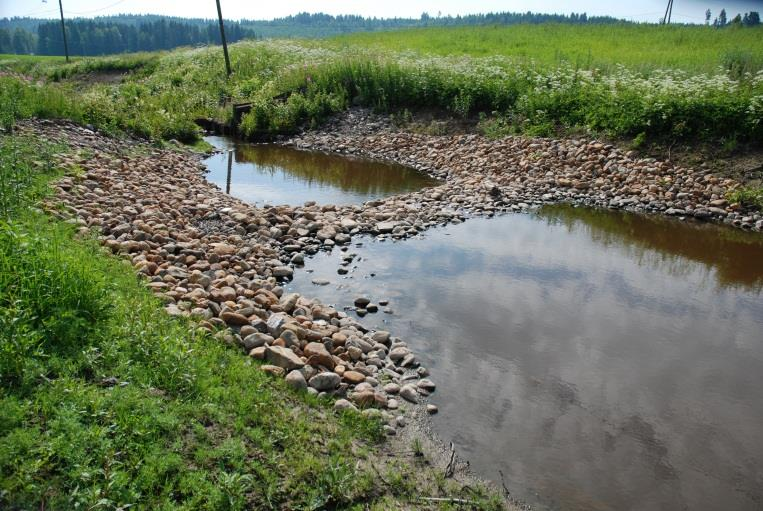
x: 598, y: 359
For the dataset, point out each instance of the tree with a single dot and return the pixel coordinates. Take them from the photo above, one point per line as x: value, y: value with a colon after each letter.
x: 753, y: 19
x: 722, y: 18
x: 707, y: 16
x: 737, y: 20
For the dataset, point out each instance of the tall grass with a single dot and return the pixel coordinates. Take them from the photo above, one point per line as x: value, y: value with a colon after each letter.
x: 643, y: 48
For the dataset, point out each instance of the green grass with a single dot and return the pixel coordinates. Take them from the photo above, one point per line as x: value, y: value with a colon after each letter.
x: 749, y: 196
x: 697, y: 49
x: 648, y: 83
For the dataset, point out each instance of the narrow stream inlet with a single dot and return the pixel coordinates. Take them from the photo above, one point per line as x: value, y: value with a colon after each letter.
x: 273, y: 174
x: 600, y: 360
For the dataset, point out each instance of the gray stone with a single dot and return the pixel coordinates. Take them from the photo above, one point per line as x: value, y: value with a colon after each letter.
x: 256, y: 340
x: 343, y: 404
x: 409, y: 393
x: 325, y: 381
x: 296, y: 380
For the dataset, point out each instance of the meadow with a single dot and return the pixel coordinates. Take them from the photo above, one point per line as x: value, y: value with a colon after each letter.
x: 695, y: 49
x: 639, y: 83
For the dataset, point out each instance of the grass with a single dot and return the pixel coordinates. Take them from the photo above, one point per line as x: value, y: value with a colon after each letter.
x: 696, y: 49
x: 751, y: 196
x: 106, y: 402
x: 651, y: 84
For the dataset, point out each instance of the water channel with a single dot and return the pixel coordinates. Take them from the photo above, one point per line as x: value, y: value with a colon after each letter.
x: 273, y: 174
x: 599, y: 359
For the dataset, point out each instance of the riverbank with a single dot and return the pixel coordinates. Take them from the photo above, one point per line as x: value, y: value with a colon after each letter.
x: 222, y: 263
x: 129, y: 404
x: 483, y: 176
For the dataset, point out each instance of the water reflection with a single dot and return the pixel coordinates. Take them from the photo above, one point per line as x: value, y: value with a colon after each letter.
x: 281, y: 175
x: 600, y: 360
x: 733, y: 256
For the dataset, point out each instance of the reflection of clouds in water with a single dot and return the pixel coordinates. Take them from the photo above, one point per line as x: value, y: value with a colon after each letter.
x: 597, y: 374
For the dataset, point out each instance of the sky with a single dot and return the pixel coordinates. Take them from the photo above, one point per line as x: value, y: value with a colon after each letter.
x: 690, y: 11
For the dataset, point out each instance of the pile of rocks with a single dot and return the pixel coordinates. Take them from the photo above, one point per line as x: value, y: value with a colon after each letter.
x: 214, y: 258
x: 484, y: 176
x: 222, y: 262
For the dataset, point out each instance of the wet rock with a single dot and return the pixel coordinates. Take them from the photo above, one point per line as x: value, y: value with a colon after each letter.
x: 361, y: 301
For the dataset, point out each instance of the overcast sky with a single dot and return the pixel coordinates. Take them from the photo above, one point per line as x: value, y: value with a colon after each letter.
x: 644, y: 10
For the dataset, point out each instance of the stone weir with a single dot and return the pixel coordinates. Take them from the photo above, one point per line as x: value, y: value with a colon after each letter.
x: 223, y: 262
x: 215, y: 259
x: 483, y: 175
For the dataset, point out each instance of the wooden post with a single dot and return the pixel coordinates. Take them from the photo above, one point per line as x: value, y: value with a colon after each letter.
x: 230, y: 164
x: 222, y: 38
x: 63, y: 30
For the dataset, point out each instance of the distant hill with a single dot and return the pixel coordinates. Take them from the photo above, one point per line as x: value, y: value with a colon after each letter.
x: 132, y: 32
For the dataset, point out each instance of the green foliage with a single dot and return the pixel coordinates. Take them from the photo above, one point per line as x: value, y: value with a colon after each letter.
x: 293, y: 85
x: 750, y: 196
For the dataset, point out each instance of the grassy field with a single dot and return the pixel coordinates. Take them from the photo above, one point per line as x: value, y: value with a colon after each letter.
x: 697, y: 49
x: 647, y: 84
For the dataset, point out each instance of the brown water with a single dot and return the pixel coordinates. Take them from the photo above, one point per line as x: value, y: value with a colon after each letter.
x: 274, y: 174
x: 601, y: 360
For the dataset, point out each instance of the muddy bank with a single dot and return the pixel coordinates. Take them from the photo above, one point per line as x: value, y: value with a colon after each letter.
x: 484, y: 175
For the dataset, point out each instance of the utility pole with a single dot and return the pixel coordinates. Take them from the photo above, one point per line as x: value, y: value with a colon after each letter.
x: 668, y: 12
x: 222, y: 37
x: 63, y: 28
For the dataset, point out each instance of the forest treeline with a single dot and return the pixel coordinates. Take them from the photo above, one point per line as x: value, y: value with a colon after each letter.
x: 96, y: 37
x: 129, y: 32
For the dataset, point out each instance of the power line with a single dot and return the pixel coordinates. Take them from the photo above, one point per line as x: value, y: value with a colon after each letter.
x: 99, y: 9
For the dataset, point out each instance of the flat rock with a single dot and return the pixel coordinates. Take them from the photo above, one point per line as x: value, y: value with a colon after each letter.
x: 283, y: 357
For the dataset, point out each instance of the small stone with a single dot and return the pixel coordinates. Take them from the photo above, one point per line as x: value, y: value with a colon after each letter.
x: 431, y: 409
x: 392, y: 404
x: 343, y: 404
x: 392, y: 388
x: 273, y: 370
x: 256, y: 340
x: 427, y: 385
x: 258, y: 353
x: 354, y: 377
x: 408, y: 392
x: 361, y: 301
x: 283, y: 272
x: 296, y: 380
x: 318, y: 355
x: 283, y: 357
x: 321, y: 282
x: 389, y: 430
x: 325, y: 381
